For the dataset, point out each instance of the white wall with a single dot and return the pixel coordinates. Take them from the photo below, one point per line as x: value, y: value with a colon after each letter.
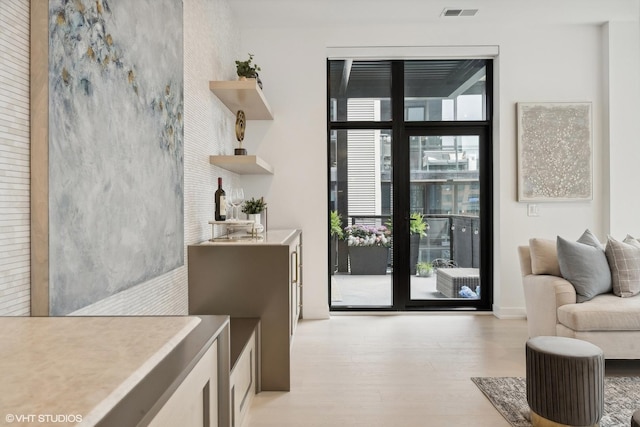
x: 622, y: 96
x: 545, y: 62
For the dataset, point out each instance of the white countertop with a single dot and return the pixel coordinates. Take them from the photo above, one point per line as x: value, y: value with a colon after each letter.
x: 271, y: 237
x: 74, y: 367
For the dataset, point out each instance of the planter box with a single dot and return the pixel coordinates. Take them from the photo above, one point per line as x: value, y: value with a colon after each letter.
x: 368, y: 259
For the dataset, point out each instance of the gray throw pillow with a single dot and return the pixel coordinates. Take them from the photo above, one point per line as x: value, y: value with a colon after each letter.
x: 624, y: 261
x: 584, y: 264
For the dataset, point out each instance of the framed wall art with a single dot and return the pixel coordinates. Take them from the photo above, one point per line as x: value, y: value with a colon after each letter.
x: 555, y: 151
x: 107, y: 148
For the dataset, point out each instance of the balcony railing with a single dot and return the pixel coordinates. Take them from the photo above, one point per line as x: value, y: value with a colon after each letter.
x: 450, y: 237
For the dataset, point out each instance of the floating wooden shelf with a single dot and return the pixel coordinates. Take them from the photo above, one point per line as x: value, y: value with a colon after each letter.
x: 243, y: 165
x: 243, y: 95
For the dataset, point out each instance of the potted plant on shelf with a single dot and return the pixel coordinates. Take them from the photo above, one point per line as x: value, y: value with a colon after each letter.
x: 424, y: 269
x: 253, y: 208
x: 248, y: 70
x: 368, y: 248
x: 336, y: 233
x: 417, y: 230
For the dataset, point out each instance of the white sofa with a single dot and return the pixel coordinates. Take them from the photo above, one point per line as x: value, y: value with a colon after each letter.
x: 608, y: 321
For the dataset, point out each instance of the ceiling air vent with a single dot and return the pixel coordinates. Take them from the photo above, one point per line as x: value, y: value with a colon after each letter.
x: 458, y: 12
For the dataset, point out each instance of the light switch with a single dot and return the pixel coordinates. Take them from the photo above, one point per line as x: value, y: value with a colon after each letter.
x: 532, y: 210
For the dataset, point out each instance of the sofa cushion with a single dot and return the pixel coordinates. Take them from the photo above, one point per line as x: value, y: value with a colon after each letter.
x: 605, y: 312
x: 544, y: 257
x: 624, y: 262
x: 584, y: 264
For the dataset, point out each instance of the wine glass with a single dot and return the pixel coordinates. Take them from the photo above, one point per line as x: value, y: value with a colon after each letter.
x: 237, y: 197
x: 231, y: 203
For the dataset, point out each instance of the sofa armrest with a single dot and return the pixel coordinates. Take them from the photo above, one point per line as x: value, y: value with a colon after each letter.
x: 543, y: 295
x: 524, y: 253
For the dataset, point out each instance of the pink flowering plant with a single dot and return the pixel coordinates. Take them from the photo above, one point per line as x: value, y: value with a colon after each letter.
x: 367, y: 235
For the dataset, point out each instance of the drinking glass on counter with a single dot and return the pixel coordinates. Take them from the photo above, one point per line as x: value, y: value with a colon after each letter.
x: 237, y: 197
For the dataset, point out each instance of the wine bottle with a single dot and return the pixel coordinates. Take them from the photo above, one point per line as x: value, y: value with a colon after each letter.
x: 221, y: 203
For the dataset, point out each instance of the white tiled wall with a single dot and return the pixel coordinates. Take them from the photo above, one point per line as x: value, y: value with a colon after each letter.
x: 14, y: 158
x: 210, y: 48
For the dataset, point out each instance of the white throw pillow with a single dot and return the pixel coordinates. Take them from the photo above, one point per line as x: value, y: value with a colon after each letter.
x: 544, y: 257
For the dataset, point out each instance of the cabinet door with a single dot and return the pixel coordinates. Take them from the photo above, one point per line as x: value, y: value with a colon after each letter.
x: 195, y: 401
x: 243, y: 383
x: 299, y: 287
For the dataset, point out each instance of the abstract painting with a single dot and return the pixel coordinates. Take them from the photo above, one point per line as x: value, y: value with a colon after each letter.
x: 116, y: 191
x: 555, y: 155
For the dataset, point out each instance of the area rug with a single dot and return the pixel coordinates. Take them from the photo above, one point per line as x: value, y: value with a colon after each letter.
x: 509, y: 396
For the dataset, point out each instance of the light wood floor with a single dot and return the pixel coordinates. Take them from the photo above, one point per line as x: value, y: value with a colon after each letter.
x: 402, y: 370
x: 399, y: 371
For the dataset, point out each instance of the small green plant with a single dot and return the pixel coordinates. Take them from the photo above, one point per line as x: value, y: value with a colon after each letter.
x: 424, y: 269
x: 246, y: 68
x: 336, y: 225
x: 417, y: 225
x: 254, y: 206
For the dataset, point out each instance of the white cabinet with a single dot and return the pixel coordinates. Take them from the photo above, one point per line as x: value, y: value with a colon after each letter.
x: 195, y: 401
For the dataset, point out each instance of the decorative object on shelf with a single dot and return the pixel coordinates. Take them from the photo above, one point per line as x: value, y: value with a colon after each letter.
x: 248, y: 70
x: 231, y: 230
x: 254, y: 208
x: 236, y: 197
x: 221, y: 202
x: 240, y: 126
x: 257, y: 221
x: 555, y: 155
x: 368, y: 248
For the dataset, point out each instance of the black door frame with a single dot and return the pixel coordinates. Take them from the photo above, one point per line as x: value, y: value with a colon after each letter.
x: 403, y: 283
x: 401, y: 131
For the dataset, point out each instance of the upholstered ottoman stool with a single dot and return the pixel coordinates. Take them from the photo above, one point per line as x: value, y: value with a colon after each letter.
x: 565, y: 381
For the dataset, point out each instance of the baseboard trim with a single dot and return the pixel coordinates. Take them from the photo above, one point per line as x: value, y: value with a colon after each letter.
x: 506, y: 313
